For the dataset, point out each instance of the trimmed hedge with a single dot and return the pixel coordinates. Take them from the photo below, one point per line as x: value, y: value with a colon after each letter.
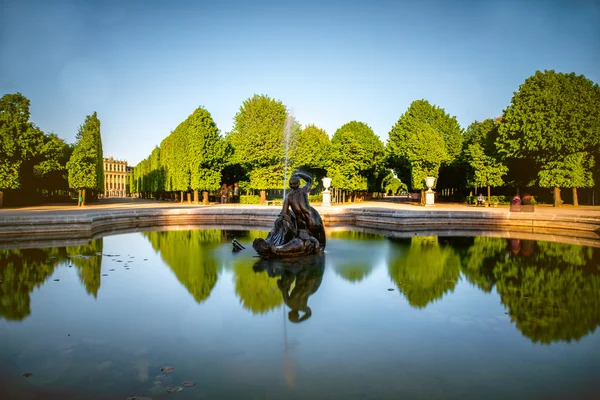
x: 254, y: 199
x: 249, y: 199
x: 496, y: 199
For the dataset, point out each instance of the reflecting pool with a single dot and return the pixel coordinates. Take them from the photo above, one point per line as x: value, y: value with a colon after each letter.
x: 424, y: 317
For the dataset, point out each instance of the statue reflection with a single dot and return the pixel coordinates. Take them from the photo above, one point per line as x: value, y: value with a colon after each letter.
x: 298, y: 280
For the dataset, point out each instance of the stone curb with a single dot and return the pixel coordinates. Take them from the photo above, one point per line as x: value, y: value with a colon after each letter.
x: 32, y: 227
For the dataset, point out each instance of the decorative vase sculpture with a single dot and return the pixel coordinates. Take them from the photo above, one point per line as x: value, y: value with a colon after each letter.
x: 326, y: 192
x: 429, y: 195
x: 298, y: 230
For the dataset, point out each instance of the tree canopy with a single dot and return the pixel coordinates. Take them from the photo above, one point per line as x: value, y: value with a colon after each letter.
x: 258, y: 140
x: 552, y: 115
x: 312, y: 151
x: 86, y: 164
x: 480, y: 155
x: 552, y: 122
x: 20, y: 141
x: 357, y: 156
x: 424, y: 138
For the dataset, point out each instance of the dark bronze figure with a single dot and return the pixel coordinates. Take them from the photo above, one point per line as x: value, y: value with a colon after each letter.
x: 299, y: 229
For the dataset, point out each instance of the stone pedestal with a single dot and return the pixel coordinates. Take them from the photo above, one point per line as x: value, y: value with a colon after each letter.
x: 429, y: 198
x: 326, y: 198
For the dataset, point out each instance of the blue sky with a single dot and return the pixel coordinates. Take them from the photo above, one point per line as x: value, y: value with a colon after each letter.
x: 144, y: 66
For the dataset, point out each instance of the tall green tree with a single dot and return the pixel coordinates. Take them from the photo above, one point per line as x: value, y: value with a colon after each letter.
x: 258, y: 140
x: 20, y: 141
x: 51, y: 170
x: 357, y: 158
x: 438, y: 138
x: 553, y: 115
x: 85, y: 165
x: 206, y: 153
x: 480, y: 154
x: 312, y: 152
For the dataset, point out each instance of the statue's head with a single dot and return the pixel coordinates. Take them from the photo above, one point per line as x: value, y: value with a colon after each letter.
x: 294, y: 182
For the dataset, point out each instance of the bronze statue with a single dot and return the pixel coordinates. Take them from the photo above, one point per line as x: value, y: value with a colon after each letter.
x: 299, y: 229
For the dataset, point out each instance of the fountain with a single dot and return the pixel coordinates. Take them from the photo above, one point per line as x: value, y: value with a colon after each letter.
x: 298, y: 229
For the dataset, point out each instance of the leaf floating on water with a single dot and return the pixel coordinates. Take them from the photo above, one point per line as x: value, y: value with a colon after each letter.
x: 138, y: 398
x: 27, y: 374
x: 56, y: 280
x: 189, y: 383
x: 173, y: 389
x: 104, y: 274
x: 111, y: 269
x: 167, y: 369
x: 390, y: 289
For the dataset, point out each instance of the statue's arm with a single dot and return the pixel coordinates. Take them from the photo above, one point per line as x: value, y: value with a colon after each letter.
x: 307, y: 178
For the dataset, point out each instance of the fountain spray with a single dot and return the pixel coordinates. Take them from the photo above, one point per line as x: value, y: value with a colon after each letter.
x: 287, y: 129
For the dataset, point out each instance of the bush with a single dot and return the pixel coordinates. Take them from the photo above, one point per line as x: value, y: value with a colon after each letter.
x: 249, y: 199
x: 315, y: 198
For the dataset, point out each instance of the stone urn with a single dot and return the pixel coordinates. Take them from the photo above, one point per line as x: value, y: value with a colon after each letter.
x: 429, y: 194
x: 326, y: 192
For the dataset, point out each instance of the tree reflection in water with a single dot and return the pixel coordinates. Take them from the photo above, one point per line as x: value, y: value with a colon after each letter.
x: 257, y: 291
x: 88, y: 260
x: 551, y: 290
x: 423, y: 270
x: 354, y: 263
x: 188, y: 255
x: 23, y: 270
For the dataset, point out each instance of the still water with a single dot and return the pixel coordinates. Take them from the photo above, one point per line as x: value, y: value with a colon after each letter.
x: 373, y: 318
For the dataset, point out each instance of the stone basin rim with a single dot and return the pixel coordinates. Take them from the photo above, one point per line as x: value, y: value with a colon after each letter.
x: 27, y: 227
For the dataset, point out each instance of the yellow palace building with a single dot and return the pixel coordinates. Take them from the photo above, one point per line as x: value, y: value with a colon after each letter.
x: 115, y: 177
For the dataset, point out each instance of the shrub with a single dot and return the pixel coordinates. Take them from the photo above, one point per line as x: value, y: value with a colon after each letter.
x: 315, y: 198
x: 249, y: 199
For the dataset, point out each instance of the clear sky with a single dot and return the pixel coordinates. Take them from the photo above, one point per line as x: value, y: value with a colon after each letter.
x: 144, y: 66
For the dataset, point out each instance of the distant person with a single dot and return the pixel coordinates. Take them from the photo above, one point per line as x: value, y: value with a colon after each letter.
x: 480, y: 200
x: 236, y: 193
x: 224, y: 193
x: 515, y: 204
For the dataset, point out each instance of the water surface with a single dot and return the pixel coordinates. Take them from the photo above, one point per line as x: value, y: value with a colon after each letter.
x: 422, y: 318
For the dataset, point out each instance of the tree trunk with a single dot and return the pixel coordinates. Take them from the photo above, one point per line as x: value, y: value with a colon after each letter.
x: 195, y: 196
x: 189, y: 197
x: 575, y: 199
x: 422, y: 197
x: 489, y: 196
x: 263, y: 197
x: 1, y: 198
x: 205, y: 198
x: 181, y: 194
x: 557, y: 199
x: 83, y: 198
